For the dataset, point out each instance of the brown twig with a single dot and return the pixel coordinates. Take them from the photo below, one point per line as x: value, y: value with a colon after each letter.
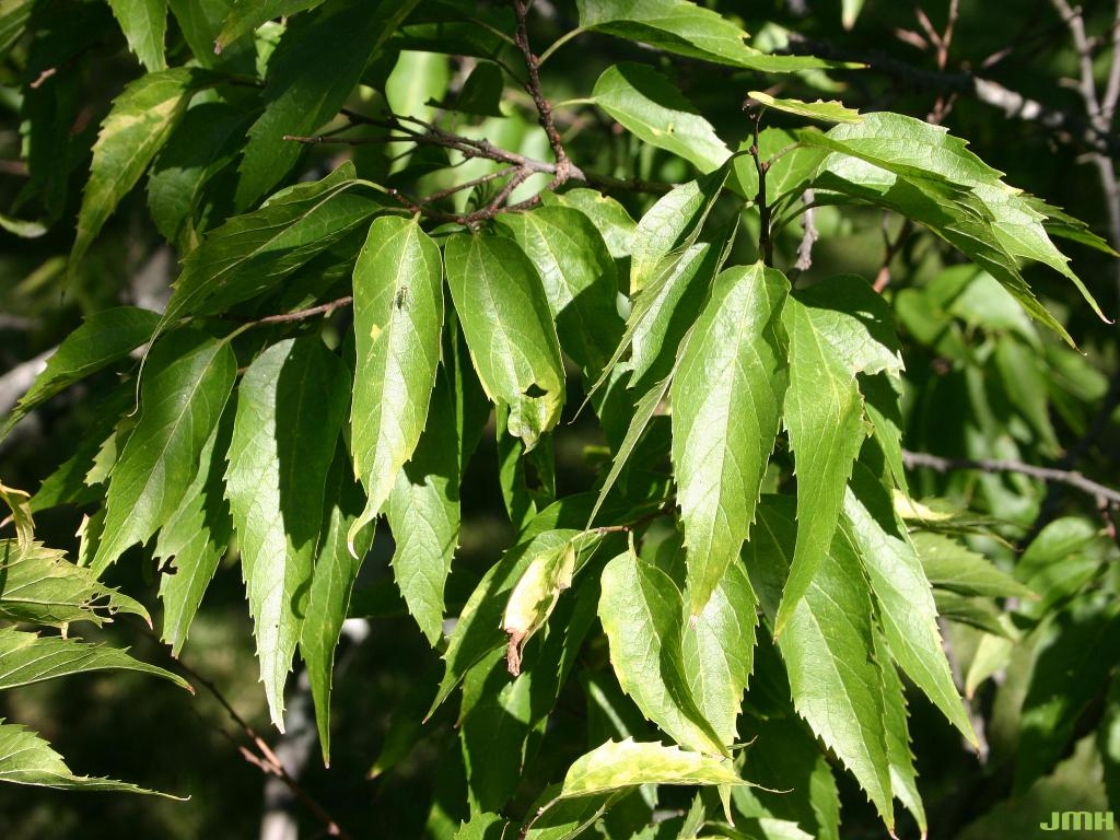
x: 533, y: 88
x: 883, y: 278
x: 264, y: 758
x: 765, y: 239
x: 304, y: 314
x: 1071, y: 478
x: 808, y: 238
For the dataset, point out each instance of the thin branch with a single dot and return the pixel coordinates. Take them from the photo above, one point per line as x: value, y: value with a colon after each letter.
x: 810, y: 236
x: 765, y: 241
x: 533, y: 87
x: 883, y: 278
x: 264, y: 758
x: 1071, y: 478
x: 304, y: 314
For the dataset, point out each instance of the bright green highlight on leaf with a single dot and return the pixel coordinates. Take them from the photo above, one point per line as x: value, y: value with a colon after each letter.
x: 833, y: 112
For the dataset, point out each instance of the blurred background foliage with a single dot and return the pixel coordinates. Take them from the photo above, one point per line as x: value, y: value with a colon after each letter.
x: 982, y: 382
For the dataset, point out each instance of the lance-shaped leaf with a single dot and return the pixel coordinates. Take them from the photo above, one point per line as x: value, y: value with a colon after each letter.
x: 906, y: 611
x: 651, y: 107
x: 512, y: 339
x: 718, y: 650
x: 188, y: 380
x: 478, y: 630
x: 139, y: 123
x: 579, y: 280
x: 302, y: 91
x: 290, y: 408
x: 828, y: 646
x: 144, y: 23
x: 727, y: 400
x: 833, y: 112
x: 328, y: 603
x: 246, y: 15
x: 194, y: 540
x: 27, y: 658
x: 102, y: 339
x: 26, y: 759
x: 834, y: 333
x: 643, y: 616
x: 951, y: 565
x: 252, y: 253
x: 684, y: 28
x: 43, y: 587
x: 904, y: 779
x: 398, y: 319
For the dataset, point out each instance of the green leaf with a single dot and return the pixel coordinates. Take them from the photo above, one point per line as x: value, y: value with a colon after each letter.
x: 194, y: 540
x: 141, y: 120
x: 616, y: 765
x: 906, y: 608
x: 101, y: 340
x: 579, y: 280
x: 718, y: 650
x: 950, y: 565
x: 246, y: 15
x: 651, y: 107
x: 14, y: 15
x: 1071, y: 667
x: 904, y: 780
x: 478, y: 630
x: 43, y: 587
x: 727, y: 398
x: 188, y: 380
x: 827, y: 647
x: 833, y: 112
x: 332, y: 582
x: 398, y: 319
x: 252, y: 253
x: 144, y: 23
x: 824, y: 416
x: 502, y: 305
x: 302, y: 91
x: 26, y: 759
x: 851, y: 10
x: 609, y: 217
x: 534, y: 597
x: 643, y: 616
x: 290, y: 408
x: 27, y: 658
x: 683, y: 28
x: 19, y: 503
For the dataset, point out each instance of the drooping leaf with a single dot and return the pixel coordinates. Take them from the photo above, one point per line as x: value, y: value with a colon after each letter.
x: 43, y: 587
x: 478, y: 630
x: 904, y: 779
x: 290, y: 408
x: 651, y: 107
x: 302, y: 91
x: 101, y: 340
x: 141, y: 120
x: 194, y: 540
x: 643, y: 616
x: 727, y: 398
x: 328, y: 602
x: 26, y: 759
x: 246, y: 15
x: 824, y: 415
x: 512, y: 339
x: 144, y: 23
x: 252, y: 253
x: 950, y: 565
x: 27, y: 658
x: 579, y: 280
x: 19, y: 503
x: 718, y: 650
x: 533, y: 599
x: 684, y: 28
x: 835, y: 681
x: 832, y: 112
x: 398, y: 319
x: 906, y: 608
x: 188, y: 380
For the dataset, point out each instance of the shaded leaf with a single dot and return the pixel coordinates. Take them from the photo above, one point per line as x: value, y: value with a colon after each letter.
x: 141, y: 120
x: 609, y: 217
x: 290, y: 408
x: 643, y: 616
x: 246, y: 15
x: 102, y: 339
x: 501, y: 302
x: 727, y: 397
x: 188, y: 380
